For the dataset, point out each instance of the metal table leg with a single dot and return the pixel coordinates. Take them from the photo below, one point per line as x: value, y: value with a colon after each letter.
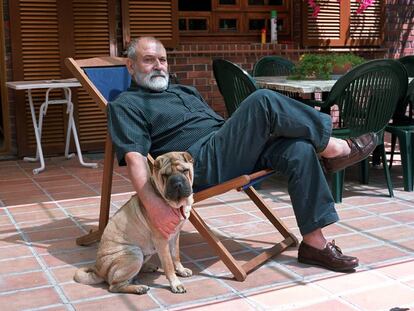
x: 37, y: 125
x: 72, y: 126
x: 39, y: 151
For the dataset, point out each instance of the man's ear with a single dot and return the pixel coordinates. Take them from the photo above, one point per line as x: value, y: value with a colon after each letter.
x: 130, y: 66
x: 188, y: 157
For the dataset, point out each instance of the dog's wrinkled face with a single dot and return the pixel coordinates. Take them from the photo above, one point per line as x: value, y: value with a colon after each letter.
x: 173, y: 177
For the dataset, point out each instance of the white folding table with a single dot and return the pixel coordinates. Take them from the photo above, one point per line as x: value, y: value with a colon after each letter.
x: 49, y: 85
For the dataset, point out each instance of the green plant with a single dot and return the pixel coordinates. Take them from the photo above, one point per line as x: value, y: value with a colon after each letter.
x: 322, y: 66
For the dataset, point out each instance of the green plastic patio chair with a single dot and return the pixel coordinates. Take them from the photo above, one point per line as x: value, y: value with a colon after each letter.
x: 402, y: 127
x: 408, y: 62
x: 273, y: 66
x: 234, y: 83
x: 366, y: 97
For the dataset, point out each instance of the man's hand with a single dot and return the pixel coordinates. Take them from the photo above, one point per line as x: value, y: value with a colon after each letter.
x: 163, y: 217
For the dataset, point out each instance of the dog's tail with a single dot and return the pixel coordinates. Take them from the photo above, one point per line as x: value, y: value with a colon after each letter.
x: 88, y: 276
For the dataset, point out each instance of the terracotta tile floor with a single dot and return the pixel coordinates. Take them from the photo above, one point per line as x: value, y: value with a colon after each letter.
x: 41, y: 215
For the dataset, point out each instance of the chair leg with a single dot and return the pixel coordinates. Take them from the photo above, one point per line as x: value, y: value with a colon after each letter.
x: 364, y: 174
x: 338, y: 185
x: 215, y: 243
x: 386, y: 171
x: 95, y: 235
x: 376, y: 156
x: 407, y: 154
x: 275, y: 220
x: 393, y: 143
x: 240, y: 271
x: 290, y: 238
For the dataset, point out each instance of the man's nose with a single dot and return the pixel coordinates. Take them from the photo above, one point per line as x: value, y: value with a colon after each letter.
x: 157, y: 64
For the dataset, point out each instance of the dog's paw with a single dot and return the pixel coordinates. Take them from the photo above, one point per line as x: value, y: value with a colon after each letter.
x: 149, y: 267
x: 141, y: 289
x: 178, y: 289
x: 184, y: 272
x: 126, y: 287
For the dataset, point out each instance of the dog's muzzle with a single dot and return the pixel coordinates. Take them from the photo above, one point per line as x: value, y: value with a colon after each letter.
x: 178, y: 187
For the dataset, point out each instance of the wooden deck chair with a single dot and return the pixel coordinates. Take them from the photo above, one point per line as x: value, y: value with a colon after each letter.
x: 103, y: 79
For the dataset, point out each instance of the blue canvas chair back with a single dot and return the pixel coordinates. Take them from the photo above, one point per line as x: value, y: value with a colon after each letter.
x: 110, y: 81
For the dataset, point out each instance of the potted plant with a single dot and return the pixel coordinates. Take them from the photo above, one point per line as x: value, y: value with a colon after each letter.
x: 323, y: 66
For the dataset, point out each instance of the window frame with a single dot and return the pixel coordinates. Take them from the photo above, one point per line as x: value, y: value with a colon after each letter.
x: 240, y: 11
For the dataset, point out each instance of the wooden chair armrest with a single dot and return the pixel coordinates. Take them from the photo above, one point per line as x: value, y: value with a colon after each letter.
x: 221, y: 188
x: 261, y: 173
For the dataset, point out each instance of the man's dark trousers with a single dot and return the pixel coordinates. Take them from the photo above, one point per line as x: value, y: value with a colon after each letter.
x: 270, y: 130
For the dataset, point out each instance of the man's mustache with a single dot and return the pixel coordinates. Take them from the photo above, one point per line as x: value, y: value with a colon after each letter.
x: 158, y: 73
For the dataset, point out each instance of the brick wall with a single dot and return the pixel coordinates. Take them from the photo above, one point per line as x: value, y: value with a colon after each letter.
x: 399, y: 30
x: 192, y: 63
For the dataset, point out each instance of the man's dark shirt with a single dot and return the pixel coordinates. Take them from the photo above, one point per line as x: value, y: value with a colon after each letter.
x: 146, y: 121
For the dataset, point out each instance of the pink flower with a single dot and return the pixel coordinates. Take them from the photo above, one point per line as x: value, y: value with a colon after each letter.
x: 363, y: 5
x: 316, y: 8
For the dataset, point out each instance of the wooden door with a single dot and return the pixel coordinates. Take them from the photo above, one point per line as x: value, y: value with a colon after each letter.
x: 43, y: 33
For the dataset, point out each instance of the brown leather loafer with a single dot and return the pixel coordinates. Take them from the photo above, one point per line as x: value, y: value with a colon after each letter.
x: 361, y: 147
x: 330, y: 257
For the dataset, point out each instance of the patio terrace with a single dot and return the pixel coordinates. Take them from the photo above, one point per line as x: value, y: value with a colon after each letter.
x: 41, y: 215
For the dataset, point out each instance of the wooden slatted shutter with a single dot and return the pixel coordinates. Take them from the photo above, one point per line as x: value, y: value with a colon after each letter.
x: 44, y: 32
x: 156, y: 18
x: 93, y: 29
x: 35, y: 50
x: 366, y: 28
x: 337, y: 24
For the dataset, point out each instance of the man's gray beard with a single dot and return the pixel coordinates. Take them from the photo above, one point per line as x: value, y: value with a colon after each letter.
x: 157, y: 84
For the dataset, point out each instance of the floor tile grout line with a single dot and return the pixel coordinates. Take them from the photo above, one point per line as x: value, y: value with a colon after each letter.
x: 378, y: 239
x: 244, y: 223
x: 220, y: 281
x: 56, y: 202
x: 96, y: 191
x: 50, y: 229
x: 47, y: 307
x: 42, y: 264
x: 371, y: 214
x: 281, y: 286
x: 22, y: 272
x: 365, y: 288
x: 372, y: 230
x: 359, y: 289
x: 339, y: 298
x: 160, y: 306
x: 20, y: 290
x: 401, y: 281
x: 70, y: 216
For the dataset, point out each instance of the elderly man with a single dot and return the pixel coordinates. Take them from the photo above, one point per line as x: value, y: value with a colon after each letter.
x: 268, y: 130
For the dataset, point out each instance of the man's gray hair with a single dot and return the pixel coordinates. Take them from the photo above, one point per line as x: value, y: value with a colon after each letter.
x: 131, y: 47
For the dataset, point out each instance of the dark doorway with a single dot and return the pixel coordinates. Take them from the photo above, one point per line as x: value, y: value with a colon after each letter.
x: 5, y: 135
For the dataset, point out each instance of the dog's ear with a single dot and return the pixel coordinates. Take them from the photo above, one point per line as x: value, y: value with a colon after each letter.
x: 187, y: 157
x: 157, y: 165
